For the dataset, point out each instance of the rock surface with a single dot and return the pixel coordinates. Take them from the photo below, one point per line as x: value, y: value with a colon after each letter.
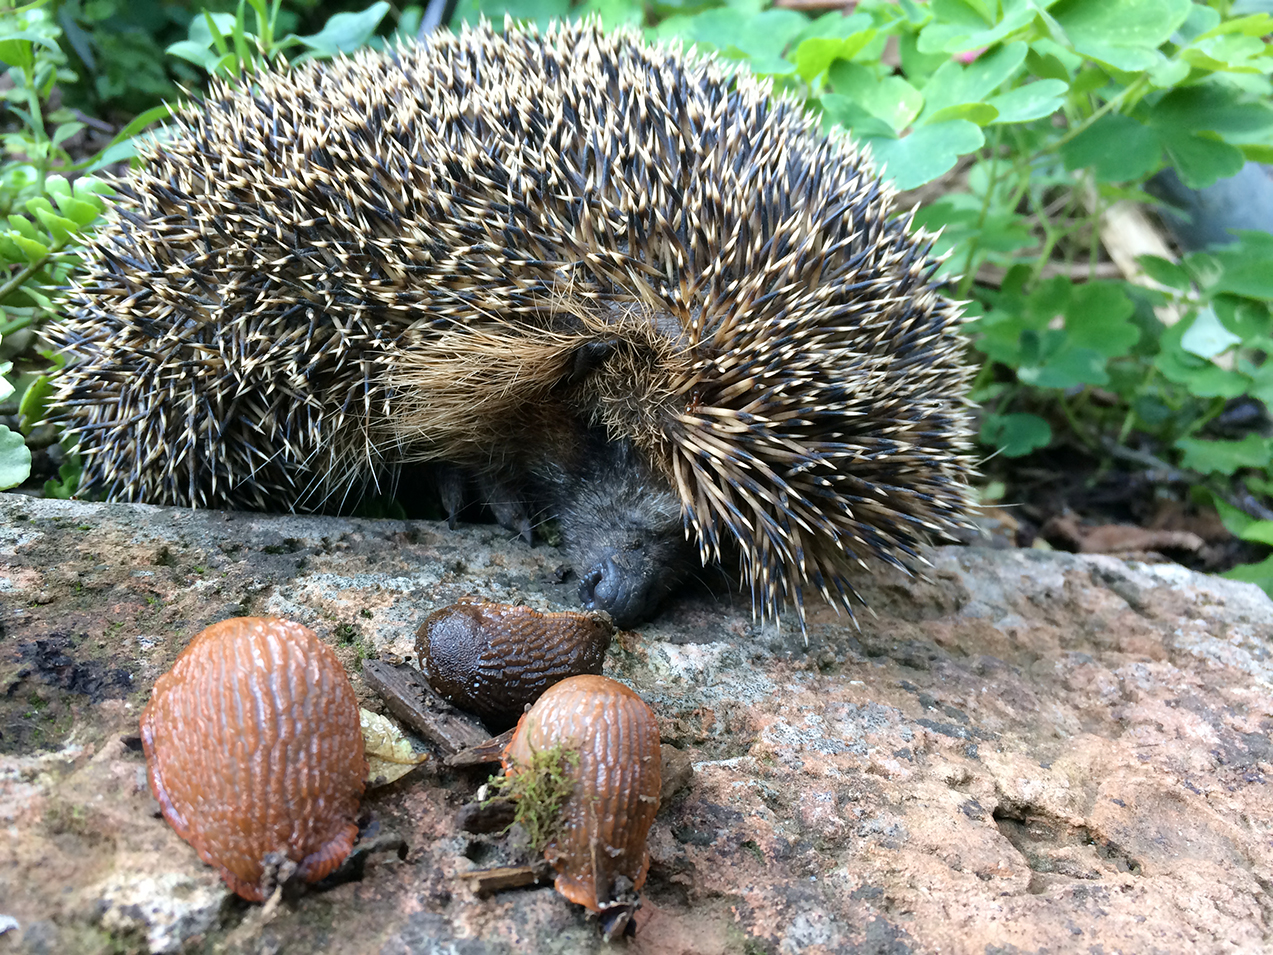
x: 1029, y: 752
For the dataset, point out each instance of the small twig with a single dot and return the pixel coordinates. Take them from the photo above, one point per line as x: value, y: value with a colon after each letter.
x: 489, y: 881
x: 488, y: 751
x: 1161, y: 470
x: 408, y: 697
x: 994, y: 275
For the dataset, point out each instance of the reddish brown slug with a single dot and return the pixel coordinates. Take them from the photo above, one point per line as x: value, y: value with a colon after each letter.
x: 255, y: 753
x: 600, y: 851
x: 495, y: 659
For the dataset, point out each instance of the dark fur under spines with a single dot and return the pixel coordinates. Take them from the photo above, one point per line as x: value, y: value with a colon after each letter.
x: 496, y: 251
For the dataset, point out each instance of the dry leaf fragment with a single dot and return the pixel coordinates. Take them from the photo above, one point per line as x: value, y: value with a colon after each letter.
x: 390, y: 755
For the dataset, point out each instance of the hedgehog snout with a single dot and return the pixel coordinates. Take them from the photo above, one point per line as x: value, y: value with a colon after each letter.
x: 628, y: 558
x: 621, y: 527
x: 625, y: 587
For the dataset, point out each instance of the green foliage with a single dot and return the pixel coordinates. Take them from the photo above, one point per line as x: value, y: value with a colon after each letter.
x: 539, y: 791
x: 15, y: 459
x: 48, y: 206
x: 223, y: 44
x: 116, y: 47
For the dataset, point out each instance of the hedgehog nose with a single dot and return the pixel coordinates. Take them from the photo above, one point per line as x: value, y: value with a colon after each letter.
x: 602, y: 588
x: 601, y: 585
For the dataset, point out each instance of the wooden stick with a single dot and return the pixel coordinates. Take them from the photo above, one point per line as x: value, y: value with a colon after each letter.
x: 409, y: 698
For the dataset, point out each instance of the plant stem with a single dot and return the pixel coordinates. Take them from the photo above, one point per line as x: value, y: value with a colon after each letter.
x: 20, y: 278
x: 1072, y: 418
x: 8, y: 328
x: 37, y: 124
x: 1136, y: 86
x: 966, y: 280
x: 1130, y: 418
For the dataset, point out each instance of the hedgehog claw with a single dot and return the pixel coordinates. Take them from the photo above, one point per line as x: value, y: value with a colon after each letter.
x: 451, y: 490
x: 505, y: 503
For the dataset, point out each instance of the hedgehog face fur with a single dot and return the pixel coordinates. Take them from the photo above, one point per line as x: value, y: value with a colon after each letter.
x: 488, y: 250
x: 622, y: 528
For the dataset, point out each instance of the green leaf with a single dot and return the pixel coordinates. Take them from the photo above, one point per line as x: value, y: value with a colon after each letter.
x: 35, y: 403
x: 117, y: 153
x: 57, y: 186
x: 1066, y: 369
x: 954, y: 85
x: 1259, y: 531
x: 1199, y: 21
x: 1225, y: 54
x: 1098, y: 317
x: 1213, y: 108
x: 23, y: 227
x: 918, y: 66
x: 1206, y: 337
x: 211, y: 29
x: 65, y: 131
x: 15, y: 48
x: 1203, y: 378
x: 980, y: 113
x: 1032, y: 101
x: 15, y: 459
x: 69, y: 472
x: 77, y: 210
x: 834, y: 26
x: 1260, y: 574
x: 142, y: 120
x: 927, y: 152
x: 90, y: 189
x: 1225, y: 457
x: 1016, y: 434
x: 815, y: 55
x: 1116, y: 147
x: 240, y: 37
x: 59, y: 228
x: 1124, y: 34
x: 1245, y: 268
x: 1235, y: 521
x: 1164, y: 272
x: 201, y: 55
x: 890, y: 99
x: 33, y: 250
x: 841, y: 110
x: 961, y: 25
x: 1200, y: 160
x: 1168, y: 73
x: 346, y: 32
x: 761, y: 38
x: 1046, y: 66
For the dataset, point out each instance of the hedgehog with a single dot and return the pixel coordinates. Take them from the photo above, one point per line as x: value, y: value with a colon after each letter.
x: 577, y: 276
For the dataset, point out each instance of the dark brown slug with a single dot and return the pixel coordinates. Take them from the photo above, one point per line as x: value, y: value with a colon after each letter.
x: 496, y: 659
x: 255, y: 753
x: 600, y: 852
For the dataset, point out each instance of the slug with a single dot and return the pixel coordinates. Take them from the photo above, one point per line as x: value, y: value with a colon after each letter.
x: 599, y: 848
x: 495, y: 659
x: 255, y: 753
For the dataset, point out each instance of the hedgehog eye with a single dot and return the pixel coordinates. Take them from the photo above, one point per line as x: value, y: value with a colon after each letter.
x: 588, y: 358
x: 636, y: 544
